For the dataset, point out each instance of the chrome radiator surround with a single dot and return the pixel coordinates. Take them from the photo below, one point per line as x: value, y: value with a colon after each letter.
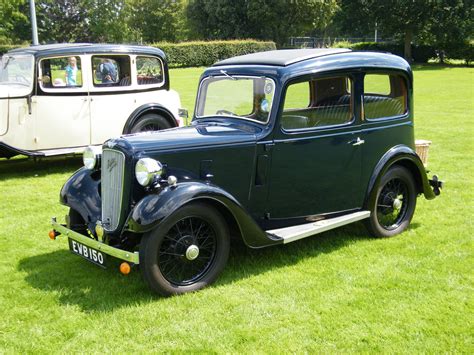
x: 112, y: 170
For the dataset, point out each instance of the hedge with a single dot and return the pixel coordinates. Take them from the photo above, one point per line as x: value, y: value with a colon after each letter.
x: 201, y: 53
x: 6, y: 47
x: 420, y: 53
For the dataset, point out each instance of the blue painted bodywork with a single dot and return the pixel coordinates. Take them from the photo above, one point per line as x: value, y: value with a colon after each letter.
x: 260, y: 175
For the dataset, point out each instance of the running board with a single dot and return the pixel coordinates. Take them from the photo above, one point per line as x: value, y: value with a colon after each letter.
x: 290, y: 234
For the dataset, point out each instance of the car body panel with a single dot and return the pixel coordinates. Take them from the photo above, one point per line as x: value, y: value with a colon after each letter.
x: 60, y: 119
x: 259, y: 174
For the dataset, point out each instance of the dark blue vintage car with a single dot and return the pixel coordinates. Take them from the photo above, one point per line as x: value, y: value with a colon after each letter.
x: 283, y: 145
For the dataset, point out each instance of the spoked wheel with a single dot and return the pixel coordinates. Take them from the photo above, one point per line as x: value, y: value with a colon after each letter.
x: 394, y: 204
x: 186, y: 252
x: 150, y: 122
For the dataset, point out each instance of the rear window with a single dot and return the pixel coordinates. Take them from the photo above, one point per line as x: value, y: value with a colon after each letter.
x: 385, y: 95
x: 149, y: 71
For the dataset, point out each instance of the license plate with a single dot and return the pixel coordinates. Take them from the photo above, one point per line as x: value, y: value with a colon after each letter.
x: 91, y: 254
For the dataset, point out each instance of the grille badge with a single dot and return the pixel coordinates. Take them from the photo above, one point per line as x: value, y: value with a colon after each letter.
x: 111, y: 164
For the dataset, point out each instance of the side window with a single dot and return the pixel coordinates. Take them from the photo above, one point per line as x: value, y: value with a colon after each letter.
x: 318, y: 103
x: 385, y: 95
x: 149, y: 71
x: 63, y: 72
x: 111, y: 70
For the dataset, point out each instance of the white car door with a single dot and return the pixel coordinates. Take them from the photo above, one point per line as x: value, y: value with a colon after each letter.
x: 112, y: 95
x: 62, y: 103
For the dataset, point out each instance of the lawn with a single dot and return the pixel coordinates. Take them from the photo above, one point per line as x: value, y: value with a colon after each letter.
x: 336, y: 292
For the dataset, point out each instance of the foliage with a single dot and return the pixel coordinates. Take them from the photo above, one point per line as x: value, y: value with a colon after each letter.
x: 338, y: 292
x: 261, y: 19
x: 153, y: 20
x: 420, y: 53
x: 451, y: 26
x: 443, y: 24
x: 13, y: 21
x: 195, y: 54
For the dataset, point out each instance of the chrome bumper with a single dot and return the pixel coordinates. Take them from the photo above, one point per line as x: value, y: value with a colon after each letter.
x: 131, y: 257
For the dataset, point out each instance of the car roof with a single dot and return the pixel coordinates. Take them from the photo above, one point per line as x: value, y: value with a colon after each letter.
x: 282, y: 57
x: 291, y: 62
x: 83, y: 48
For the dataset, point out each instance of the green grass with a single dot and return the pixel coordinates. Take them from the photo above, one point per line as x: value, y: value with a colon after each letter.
x: 336, y: 292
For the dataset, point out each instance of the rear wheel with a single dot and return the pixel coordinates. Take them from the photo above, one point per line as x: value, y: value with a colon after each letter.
x: 186, y: 252
x: 394, y: 203
x: 150, y: 122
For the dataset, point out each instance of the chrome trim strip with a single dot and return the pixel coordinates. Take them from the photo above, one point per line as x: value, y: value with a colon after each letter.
x: 132, y: 257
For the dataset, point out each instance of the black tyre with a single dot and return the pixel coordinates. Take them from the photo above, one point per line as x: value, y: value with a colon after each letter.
x: 394, y: 203
x: 150, y: 122
x: 186, y: 252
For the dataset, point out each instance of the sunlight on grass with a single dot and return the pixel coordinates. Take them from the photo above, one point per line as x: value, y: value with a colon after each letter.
x: 340, y: 291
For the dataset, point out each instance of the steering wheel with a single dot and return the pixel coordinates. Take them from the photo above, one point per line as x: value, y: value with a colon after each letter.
x: 225, y: 112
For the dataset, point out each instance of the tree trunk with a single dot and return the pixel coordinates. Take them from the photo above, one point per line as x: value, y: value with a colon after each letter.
x: 408, y: 39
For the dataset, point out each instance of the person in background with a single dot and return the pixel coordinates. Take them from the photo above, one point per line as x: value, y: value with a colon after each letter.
x: 71, y: 72
x: 108, y: 71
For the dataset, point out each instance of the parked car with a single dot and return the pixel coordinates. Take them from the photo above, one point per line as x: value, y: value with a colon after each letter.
x: 60, y: 98
x: 283, y: 145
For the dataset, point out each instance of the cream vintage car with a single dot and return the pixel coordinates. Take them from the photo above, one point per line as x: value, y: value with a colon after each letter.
x: 57, y: 99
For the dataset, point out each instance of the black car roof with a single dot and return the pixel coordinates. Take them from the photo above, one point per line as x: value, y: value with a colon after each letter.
x: 282, y: 57
x: 82, y: 48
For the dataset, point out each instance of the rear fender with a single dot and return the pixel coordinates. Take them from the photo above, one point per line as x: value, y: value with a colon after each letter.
x: 154, y: 209
x: 406, y: 157
x: 149, y: 108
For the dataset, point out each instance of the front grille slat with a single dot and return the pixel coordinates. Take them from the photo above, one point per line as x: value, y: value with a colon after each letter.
x: 112, y: 187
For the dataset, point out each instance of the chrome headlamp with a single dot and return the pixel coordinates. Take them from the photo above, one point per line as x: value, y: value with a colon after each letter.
x: 146, y: 170
x: 91, y: 157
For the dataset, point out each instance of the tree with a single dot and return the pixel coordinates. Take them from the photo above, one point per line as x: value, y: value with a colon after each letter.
x: 262, y: 19
x: 158, y: 20
x: 14, y: 23
x: 452, y: 26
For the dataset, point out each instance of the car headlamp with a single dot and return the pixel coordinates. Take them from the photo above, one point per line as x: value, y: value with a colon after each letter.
x: 91, y: 157
x: 146, y: 170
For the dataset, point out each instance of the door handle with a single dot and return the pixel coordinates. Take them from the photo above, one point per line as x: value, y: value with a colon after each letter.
x: 357, y: 141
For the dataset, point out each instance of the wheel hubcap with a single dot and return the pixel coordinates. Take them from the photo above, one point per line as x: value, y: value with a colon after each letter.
x: 391, y: 204
x: 397, y: 204
x: 187, y: 251
x: 192, y: 252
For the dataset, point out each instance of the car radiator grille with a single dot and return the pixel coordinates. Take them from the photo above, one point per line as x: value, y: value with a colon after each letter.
x: 112, y: 187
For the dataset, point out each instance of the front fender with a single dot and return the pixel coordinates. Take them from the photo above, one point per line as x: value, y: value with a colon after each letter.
x: 407, y: 157
x: 81, y: 193
x: 154, y: 209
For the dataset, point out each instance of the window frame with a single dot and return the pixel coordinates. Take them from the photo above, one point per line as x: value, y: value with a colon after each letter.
x: 62, y: 89
x: 135, y: 71
x: 203, y: 82
x: 308, y: 79
x: 387, y: 72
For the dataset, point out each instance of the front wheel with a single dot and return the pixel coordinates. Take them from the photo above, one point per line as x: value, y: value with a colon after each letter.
x: 394, y: 203
x: 186, y: 252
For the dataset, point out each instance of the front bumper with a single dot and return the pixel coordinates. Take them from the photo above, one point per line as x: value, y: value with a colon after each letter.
x: 131, y: 257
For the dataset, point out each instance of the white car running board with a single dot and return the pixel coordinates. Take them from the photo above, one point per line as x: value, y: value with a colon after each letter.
x: 290, y: 234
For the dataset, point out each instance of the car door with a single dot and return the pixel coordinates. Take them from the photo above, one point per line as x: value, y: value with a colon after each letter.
x: 112, y: 94
x: 316, y: 157
x: 61, y: 104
